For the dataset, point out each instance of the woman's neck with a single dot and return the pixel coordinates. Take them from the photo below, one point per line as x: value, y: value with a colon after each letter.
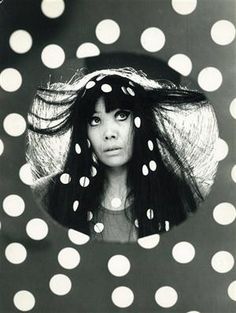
x: 115, y: 188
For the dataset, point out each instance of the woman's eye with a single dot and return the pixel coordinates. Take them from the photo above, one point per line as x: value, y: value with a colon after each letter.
x: 94, y: 121
x: 122, y: 115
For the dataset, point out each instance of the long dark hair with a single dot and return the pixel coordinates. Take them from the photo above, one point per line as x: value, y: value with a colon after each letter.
x: 162, y: 183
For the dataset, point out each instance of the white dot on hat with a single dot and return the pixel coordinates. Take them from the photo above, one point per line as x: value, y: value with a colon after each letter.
x: 210, y: 79
x: 15, y: 253
x: 137, y: 121
x: 224, y: 213
x: 152, y: 39
x: 10, y: 79
x: 60, y: 284
x: 1, y: 147
x: 167, y: 225
x: 231, y: 290
x: 53, y: 56
x: 221, y: 149
x: 223, y: 32
x: 68, y: 258
x: 86, y: 50
x: 166, y: 297
x: 222, y: 261
x: 25, y: 174
x: 183, y: 252
x: 184, y: 7
x: 233, y: 173
x: 65, y: 178
x: 106, y: 88
x: 90, y: 84
x: 75, y: 205
x: 150, y: 214
x: 20, y: 41
x: 124, y: 90
x: 122, y: 297
x: 24, y: 300
x: 14, y: 124
x: 77, y: 237
x: 52, y: 8
x: 130, y: 91
x: 107, y: 31
x: 145, y: 170
x: 149, y: 242
x: 98, y: 227
x: 77, y: 148
x: 118, y: 265
x: 37, y: 229
x: 232, y: 108
x: 84, y: 181
x: 152, y: 165
x: 13, y: 205
x: 181, y: 63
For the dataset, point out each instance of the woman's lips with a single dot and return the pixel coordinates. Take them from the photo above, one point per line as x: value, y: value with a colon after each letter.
x: 112, y: 150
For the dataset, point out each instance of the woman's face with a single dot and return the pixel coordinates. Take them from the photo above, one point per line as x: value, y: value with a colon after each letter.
x: 111, y: 135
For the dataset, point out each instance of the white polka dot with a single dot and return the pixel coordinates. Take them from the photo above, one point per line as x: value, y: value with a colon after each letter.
x: 183, y: 252
x: 150, y: 214
x: 184, y: 7
x: 53, y: 56
x: 152, y: 39
x: 65, y: 178
x: 15, y: 253
x: 87, y: 50
x: 20, y: 41
x: 14, y: 124
x: 89, y: 143
x: 25, y: 174
x: 223, y: 32
x: 149, y: 242
x: 150, y: 145
x: 84, y: 181
x: 233, y: 173
x: 77, y: 148
x: 98, y: 227
x: 145, y: 170
x: 1, y: 147
x: 116, y: 202
x: 167, y: 225
x: 60, y: 284
x: 37, y: 229
x: 221, y: 149
x: 193, y: 312
x: 130, y: 91
x: 122, y: 297
x: 210, y: 79
x: 77, y: 237
x: 90, y: 84
x: 75, y: 205
x: 124, y: 90
x: 10, y: 79
x: 232, y: 108
x: 52, y: 8
x: 106, y: 88
x: 166, y: 297
x: 69, y: 258
x: 107, y: 31
x: 136, y: 223
x: 232, y: 290
x: 93, y: 171
x: 13, y: 205
x: 181, y: 63
x: 152, y: 165
x: 118, y: 265
x: 222, y: 262
x: 224, y: 213
x: 24, y: 300
x: 89, y: 215
x: 137, y: 121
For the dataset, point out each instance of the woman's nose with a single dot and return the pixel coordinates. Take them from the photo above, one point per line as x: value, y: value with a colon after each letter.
x: 110, y: 132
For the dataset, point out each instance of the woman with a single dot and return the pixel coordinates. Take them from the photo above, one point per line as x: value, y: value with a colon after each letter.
x: 118, y: 156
